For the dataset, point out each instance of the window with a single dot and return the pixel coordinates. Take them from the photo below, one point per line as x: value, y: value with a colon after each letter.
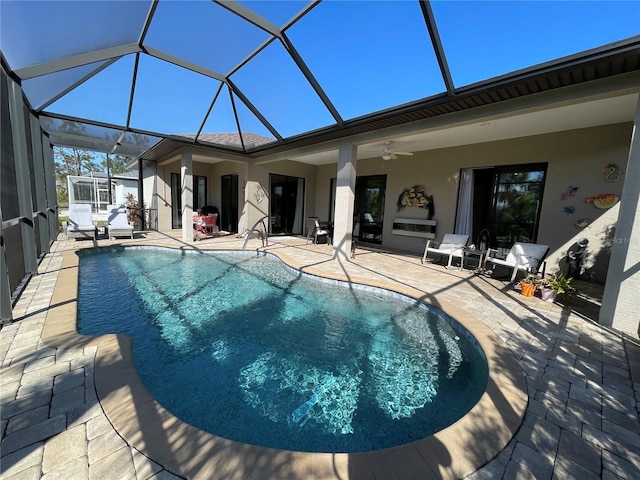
x: 199, y: 191
x: 199, y: 197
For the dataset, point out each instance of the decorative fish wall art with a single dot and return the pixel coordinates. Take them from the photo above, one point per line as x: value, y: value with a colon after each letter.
x: 570, y: 192
x: 604, y: 200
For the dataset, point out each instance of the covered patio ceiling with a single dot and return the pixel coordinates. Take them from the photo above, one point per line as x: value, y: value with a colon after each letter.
x: 276, y: 79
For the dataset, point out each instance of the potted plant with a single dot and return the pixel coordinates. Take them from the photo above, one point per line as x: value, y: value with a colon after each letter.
x: 529, y: 284
x: 557, y: 285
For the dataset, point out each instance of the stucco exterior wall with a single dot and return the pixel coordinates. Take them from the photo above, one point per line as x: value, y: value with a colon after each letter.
x: 578, y: 159
x: 254, y: 188
x: 324, y: 174
x: 575, y: 158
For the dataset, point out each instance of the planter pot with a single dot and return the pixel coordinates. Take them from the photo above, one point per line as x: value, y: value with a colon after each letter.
x: 548, y: 295
x: 527, y: 289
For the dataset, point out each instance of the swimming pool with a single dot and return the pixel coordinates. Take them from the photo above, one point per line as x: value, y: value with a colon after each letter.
x: 238, y: 370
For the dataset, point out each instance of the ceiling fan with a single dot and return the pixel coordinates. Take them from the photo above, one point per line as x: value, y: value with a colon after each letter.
x: 389, y: 153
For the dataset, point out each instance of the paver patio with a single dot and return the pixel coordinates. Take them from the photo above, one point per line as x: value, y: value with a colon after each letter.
x: 583, y: 380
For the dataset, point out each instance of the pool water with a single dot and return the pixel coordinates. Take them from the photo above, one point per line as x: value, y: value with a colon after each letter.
x: 246, y: 348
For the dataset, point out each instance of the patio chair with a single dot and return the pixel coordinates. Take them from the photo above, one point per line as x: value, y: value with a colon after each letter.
x: 81, y: 222
x: 452, y: 245
x: 205, y: 226
x: 528, y: 257
x: 314, y: 231
x: 118, y: 222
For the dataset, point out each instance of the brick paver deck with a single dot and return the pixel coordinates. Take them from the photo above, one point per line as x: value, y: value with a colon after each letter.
x: 583, y: 380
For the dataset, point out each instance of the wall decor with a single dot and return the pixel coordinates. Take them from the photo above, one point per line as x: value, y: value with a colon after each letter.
x: 259, y: 194
x: 604, y: 200
x: 416, y: 196
x: 570, y: 192
x: 582, y: 223
x: 612, y: 172
x: 569, y: 210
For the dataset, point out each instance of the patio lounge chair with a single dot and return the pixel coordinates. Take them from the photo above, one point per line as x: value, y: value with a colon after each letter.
x: 527, y: 257
x: 314, y: 231
x: 118, y: 224
x: 452, y: 245
x: 81, y: 222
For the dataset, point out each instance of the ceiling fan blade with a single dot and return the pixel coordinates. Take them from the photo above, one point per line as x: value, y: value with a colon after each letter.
x: 403, y: 153
x: 393, y: 156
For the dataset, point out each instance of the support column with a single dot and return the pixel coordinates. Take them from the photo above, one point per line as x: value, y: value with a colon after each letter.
x: 345, y: 194
x: 620, y: 301
x: 38, y: 177
x: 186, y: 183
x: 50, y: 184
x: 23, y: 178
x: 6, y: 309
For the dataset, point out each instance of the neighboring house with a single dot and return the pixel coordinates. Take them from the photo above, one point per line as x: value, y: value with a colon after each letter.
x: 93, y: 188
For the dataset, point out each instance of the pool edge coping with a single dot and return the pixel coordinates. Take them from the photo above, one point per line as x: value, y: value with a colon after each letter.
x: 454, y: 452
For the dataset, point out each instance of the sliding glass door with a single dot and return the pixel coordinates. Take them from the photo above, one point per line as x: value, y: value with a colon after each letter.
x: 229, y: 207
x: 286, y: 205
x: 505, y: 201
x: 517, y: 198
x: 369, y: 208
x: 176, y: 201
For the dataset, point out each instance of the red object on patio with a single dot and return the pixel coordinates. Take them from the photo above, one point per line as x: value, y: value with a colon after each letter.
x: 204, y: 226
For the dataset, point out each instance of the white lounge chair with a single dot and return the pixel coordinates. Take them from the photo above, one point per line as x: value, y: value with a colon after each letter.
x: 81, y: 222
x: 118, y: 223
x: 527, y: 257
x: 452, y: 245
x: 314, y: 230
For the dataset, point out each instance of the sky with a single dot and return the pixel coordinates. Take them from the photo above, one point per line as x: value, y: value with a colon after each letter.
x: 366, y: 55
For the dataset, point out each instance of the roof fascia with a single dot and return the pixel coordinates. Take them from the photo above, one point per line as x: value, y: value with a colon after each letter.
x: 201, y: 151
x: 623, y: 84
x: 589, y: 56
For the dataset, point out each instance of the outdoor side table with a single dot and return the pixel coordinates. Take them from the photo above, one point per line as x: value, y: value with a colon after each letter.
x: 478, y: 255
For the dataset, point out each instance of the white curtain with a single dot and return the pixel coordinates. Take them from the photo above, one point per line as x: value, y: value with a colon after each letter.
x: 464, y: 217
x: 297, y: 221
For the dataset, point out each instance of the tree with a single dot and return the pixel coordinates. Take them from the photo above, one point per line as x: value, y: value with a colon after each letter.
x: 74, y: 161
x: 117, y: 164
x: 78, y: 162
